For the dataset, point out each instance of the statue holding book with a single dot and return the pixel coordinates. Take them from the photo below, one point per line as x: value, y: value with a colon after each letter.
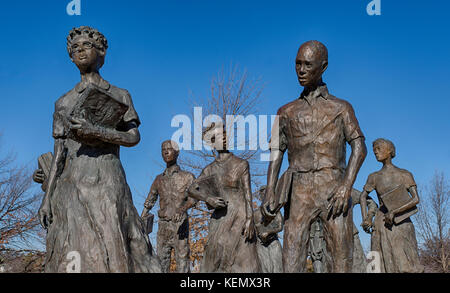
x: 173, y: 224
x: 87, y: 207
x: 393, y: 234
x: 224, y: 185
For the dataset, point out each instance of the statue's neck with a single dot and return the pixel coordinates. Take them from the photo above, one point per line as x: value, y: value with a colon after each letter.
x: 91, y: 77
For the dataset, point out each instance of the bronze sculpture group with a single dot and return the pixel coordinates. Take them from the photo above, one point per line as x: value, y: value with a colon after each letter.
x: 88, y: 207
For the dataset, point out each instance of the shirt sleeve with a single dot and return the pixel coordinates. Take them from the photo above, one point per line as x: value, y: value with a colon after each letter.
x: 278, y: 139
x: 370, y: 184
x: 409, y: 180
x: 352, y: 130
x: 131, y: 114
x: 59, y: 123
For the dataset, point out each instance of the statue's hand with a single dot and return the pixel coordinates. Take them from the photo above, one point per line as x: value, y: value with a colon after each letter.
x: 389, y: 218
x: 39, y: 176
x: 367, y: 225
x: 268, y: 205
x: 216, y: 202
x: 45, y: 214
x: 249, y: 229
x: 83, y: 128
x: 179, y: 216
x: 340, y: 201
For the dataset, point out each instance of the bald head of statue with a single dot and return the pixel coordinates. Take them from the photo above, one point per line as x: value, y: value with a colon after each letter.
x: 310, y: 63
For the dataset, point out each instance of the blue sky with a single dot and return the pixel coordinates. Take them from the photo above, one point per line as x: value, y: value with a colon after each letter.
x: 393, y: 68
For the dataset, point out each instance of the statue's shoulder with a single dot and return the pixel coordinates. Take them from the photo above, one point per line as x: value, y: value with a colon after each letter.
x: 285, y: 109
x: 239, y: 162
x: 187, y: 174
x: 122, y: 93
x: 62, y: 101
x: 339, y: 102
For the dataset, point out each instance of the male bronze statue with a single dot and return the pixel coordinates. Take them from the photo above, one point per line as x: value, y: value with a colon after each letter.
x: 315, y: 129
x: 393, y: 234
x: 87, y: 209
x: 317, y: 246
x: 173, y: 224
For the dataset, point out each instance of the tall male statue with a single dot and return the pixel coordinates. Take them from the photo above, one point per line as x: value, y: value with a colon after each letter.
x: 92, y: 224
x: 173, y: 225
x: 318, y: 183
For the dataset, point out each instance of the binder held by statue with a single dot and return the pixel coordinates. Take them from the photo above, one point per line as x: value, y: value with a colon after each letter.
x: 396, y: 198
x: 207, y: 186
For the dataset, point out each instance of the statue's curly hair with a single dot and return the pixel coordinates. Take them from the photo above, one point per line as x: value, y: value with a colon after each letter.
x: 97, y: 37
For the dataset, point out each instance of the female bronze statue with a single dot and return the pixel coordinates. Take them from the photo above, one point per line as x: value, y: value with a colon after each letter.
x: 88, y: 208
x: 225, y: 187
x: 393, y: 234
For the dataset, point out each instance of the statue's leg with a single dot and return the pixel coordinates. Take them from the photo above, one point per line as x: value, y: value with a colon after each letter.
x: 338, y: 234
x: 182, y: 248
x: 302, y: 210
x: 164, y: 247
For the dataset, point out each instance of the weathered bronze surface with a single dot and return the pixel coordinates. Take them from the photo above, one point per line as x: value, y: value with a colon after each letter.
x: 395, y: 241
x: 315, y: 129
x: 88, y: 206
x: 173, y: 224
x: 231, y: 244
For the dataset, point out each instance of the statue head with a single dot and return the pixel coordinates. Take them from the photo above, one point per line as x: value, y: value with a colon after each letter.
x: 87, y: 48
x: 383, y: 149
x: 311, y: 62
x: 170, y: 151
x: 215, y: 135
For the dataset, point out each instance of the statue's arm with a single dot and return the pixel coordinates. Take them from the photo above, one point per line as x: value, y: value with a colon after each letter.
x: 269, y: 204
x: 363, y: 204
x: 189, y: 201
x: 45, y: 213
x: 128, y: 137
x: 412, y: 203
x: 152, y: 197
x: 358, y: 154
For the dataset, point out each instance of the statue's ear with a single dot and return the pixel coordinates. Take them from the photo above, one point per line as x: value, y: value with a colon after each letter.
x: 324, y: 66
x: 101, y: 52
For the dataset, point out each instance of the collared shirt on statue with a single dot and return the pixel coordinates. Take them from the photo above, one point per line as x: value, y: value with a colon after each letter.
x: 315, y: 129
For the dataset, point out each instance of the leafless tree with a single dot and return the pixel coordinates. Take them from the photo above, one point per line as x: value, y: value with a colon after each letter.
x: 19, y: 201
x: 433, y: 225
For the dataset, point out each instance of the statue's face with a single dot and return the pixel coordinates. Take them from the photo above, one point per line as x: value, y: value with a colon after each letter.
x: 84, y: 54
x: 168, y: 153
x: 309, y: 66
x: 218, y: 139
x: 381, y: 151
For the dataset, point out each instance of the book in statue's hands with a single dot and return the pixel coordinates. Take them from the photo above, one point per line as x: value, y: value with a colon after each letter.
x: 148, y: 222
x: 45, y: 163
x: 99, y: 107
x: 396, y: 198
x: 206, y: 187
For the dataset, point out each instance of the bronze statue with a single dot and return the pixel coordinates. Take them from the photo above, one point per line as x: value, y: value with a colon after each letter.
x: 317, y: 246
x: 173, y: 224
x: 318, y: 183
x: 87, y: 207
x: 268, y: 246
x: 393, y: 234
x: 225, y: 187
